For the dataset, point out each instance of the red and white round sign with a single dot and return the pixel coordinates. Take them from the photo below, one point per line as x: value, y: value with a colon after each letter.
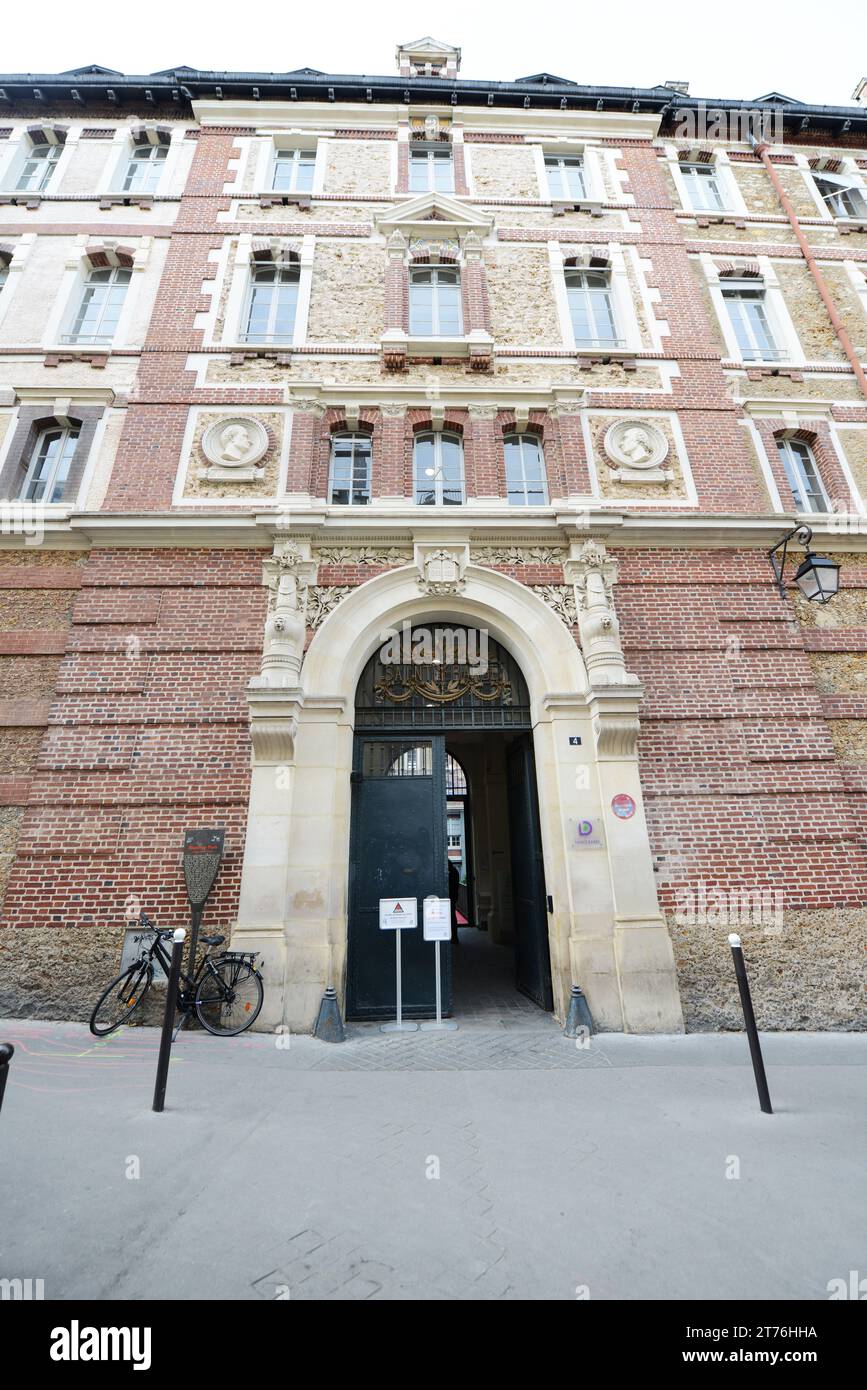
x: 623, y: 806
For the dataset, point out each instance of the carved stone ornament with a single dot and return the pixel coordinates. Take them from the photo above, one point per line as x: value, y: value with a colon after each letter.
x: 639, y: 448
x: 518, y: 554
x: 234, y: 446
x: 363, y: 555
x: 560, y: 598
x: 441, y: 569
x: 322, y: 600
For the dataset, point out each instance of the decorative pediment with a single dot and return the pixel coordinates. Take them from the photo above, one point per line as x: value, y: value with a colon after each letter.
x: 434, y: 214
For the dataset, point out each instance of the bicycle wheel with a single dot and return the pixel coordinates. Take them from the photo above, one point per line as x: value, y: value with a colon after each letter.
x: 121, y: 998
x: 229, y: 1001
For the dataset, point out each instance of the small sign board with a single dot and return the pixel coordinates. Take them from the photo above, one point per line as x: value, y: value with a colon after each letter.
x: 135, y: 943
x: 437, y: 919
x: 574, y: 740
x: 623, y: 806
x: 395, y: 914
x: 588, y: 833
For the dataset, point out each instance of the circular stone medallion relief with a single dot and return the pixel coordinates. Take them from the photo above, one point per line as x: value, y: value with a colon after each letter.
x: 636, y: 444
x: 236, y: 442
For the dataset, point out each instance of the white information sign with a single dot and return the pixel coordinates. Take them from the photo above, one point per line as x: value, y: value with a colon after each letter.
x: 397, y: 913
x: 437, y: 919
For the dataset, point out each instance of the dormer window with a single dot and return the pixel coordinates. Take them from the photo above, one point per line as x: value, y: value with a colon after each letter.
x: 431, y: 168
x: 703, y: 187
x: 435, y: 302
x: 565, y: 174
x: 38, y: 167
x: 840, y: 197
x: 293, y: 171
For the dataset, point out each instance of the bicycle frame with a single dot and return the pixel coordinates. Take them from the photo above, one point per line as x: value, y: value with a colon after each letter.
x: 187, y: 984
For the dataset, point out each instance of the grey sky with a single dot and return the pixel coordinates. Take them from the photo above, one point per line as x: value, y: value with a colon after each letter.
x: 813, y: 54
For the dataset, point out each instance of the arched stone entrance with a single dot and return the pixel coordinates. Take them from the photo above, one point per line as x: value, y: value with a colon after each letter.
x: 605, y: 929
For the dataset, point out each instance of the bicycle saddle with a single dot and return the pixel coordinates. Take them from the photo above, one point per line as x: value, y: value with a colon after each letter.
x: 212, y: 940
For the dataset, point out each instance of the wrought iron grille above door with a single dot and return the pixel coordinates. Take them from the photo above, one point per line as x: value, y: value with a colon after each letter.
x: 442, y: 677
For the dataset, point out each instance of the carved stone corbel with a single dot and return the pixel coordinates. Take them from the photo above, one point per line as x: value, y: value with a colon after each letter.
x: 287, y: 575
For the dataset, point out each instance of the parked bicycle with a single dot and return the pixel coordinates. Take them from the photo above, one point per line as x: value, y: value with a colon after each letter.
x: 225, y: 992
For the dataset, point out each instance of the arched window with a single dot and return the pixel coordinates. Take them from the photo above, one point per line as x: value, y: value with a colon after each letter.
x: 49, y: 465
x: 456, y: 779
x: 438, y: 467
x: 144, y: 168
x: 431, y: 168
x: 38, y: 167
x: 272, y: 303
x: 435, y: 301
x: 98, y: 311
x: 591, y: 308
x: 803, y: 475
x: 525, y: 470
x: 565, y: 177
x: 293, y: 171
x: 349, y: 474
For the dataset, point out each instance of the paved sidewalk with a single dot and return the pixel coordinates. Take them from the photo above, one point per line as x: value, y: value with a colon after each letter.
x: 309, y: 1171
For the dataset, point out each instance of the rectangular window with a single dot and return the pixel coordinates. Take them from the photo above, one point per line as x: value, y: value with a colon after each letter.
x: 749, y: 319
x: 435, y: 302
x: 841, y: 198
x: 145, y: 168
x: 38, y: 167
x: 438, y: 465
x: 293, y: 171
x: 431, y: 169
x: 99, y: 309
x: 272, y: 303
x: 49, y: 466
x: 350, y: 470
x: 591, y: 309
x: 565, y: 174
x: 702, y: 185
x: 803, y: 475
x: 525, y: 471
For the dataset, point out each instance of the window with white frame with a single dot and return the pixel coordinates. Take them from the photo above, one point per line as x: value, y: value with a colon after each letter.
x: 143, y: 169
x: 99, y: 307
x: 803, y: 476
x: 435, y: 301
x: 565, y: 175
x: 4, y: 270
x: 525, y: 470
x: 840, y: 196
x: 703, y: 187
x: 591, y: 307
x: 438, y: 468
x: 748, y: 314
x: 272, y: 303
x: 49, y: 465
x: 349, y: 475
x: 431, y: 168
x: 293, y: 171
x: 39, y: 165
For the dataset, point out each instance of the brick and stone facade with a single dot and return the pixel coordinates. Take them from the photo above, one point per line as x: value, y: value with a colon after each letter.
x: 133, y: 697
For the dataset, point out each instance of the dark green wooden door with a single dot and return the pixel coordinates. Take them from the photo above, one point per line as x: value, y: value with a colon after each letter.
x: 398, y: 849
x: 532, y: 960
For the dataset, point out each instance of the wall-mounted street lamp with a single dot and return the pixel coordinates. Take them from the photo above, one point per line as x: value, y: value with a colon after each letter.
x: 817, y: 577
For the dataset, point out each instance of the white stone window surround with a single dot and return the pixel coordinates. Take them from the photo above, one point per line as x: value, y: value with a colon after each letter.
x: 21, y: 248
x: 237, y: 270
x: 627, y: 500
x: 189, y: 461
x: 594, y: 184
x: 794, y: 419
x: 850, y: 176
x: 15, y: 154
x: 110, y: 183
x: 71, y: 503
x: 267, y: 147
x: 726, y: 183
x: 625, y: 317
x: 72, y: 288
x: 780, y: 321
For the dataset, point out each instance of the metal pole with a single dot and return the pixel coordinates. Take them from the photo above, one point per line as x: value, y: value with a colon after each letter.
x: 439, y: 984
x: 6, y: 1051
x: 399, y: 999
x: 169, y: 1018
x: 196, y: 922
x: 750, y: 1021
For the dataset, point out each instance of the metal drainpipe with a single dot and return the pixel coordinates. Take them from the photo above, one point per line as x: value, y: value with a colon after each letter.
x: 761, y: 149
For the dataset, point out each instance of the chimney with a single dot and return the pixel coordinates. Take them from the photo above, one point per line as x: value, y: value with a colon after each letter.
x: 682, y: 87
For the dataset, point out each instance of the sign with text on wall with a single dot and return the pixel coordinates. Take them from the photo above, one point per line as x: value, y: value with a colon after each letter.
x: 396, y: 914
x: 587, y: 833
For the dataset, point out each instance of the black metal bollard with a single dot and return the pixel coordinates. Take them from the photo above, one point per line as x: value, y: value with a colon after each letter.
x: 750, y: 1021
x: 6, y: 1051
x: 169, y: 1019
x: 578, y: 1019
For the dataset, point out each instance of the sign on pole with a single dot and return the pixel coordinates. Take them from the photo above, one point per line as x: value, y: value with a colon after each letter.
x: 437, y: 925
x: 398, y: 915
